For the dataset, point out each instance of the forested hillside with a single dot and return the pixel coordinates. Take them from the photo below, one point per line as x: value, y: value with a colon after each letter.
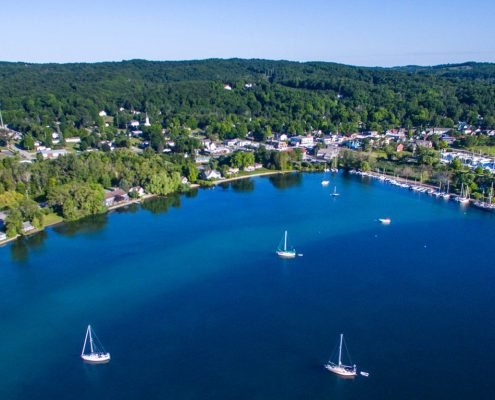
x: 285, y: 96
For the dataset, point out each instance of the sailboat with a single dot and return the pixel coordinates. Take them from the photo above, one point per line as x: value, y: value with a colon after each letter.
x: 335, y: 194
x: 464, y: 196
x: 486, y: 205
x: 97, y: 354
x: 284, y: 251
x: 340, y: 368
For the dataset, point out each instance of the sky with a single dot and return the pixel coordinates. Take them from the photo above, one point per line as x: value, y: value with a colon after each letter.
x: 355, y: 32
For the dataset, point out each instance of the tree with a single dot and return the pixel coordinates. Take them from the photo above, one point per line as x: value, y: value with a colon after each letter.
x: 27, y: 142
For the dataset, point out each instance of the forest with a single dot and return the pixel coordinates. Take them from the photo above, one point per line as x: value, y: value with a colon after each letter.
x: 281, y: 96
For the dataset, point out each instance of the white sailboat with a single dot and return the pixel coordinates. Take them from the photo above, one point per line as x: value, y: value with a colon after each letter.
x: 339, y: 368
x: 284, y: 251
x: 335, y: 194
x: 325, y: 183
x: 97, y: 354
x: 464, y: 196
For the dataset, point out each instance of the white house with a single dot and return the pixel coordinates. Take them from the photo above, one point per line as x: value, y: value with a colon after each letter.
x: 27, y: 227
x: 212, y: 174
x: 102, y: 113
x: 138, y: 190
x: 227, y: 87
x: 133, y: 123
x: 3, y: 236
x: 74, y: 139
x: 233, y: 171
x: 51, y: 154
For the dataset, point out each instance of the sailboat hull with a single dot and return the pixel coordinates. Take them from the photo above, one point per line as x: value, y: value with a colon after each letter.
x: 96, y: 358
x: 286, y: 254
x: 348, y: 372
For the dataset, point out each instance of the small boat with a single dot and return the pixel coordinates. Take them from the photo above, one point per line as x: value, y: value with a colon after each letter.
x: 385, y: 221
x: 325, y: 183
x: 97, y: 354
x: 334, y: 194
x: 363, y: 373
x: 464, y: 196
x: 285, y: 252
x: 339, y: 368
x: 486, y: 205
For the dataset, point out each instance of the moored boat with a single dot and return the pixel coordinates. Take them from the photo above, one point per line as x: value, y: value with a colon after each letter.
x: 340, y: 368
x: 285, y: 251
x: 97, y: 354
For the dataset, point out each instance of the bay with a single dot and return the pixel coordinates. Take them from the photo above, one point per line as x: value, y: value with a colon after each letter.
x: 188, y: 296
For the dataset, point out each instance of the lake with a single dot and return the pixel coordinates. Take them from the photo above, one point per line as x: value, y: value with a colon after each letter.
x: 189, y: 298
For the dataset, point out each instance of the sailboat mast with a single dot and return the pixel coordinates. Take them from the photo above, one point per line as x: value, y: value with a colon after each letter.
x: 285, y: 241
x: 340, y: 349
x: 85, y: 340
x: 90, y: 338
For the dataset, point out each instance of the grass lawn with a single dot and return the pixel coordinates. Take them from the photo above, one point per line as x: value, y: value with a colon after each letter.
x: 51, y: 219
x: 490, y: 150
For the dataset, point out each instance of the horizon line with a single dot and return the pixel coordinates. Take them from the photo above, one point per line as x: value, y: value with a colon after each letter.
x: 242, y: 59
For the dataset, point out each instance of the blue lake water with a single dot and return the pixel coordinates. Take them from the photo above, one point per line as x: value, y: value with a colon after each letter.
x: 191, y: 301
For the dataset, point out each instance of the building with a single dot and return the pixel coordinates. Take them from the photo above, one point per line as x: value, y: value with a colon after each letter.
x: 328, y: 153
x: 102, y: 113
x: 211, y: 174
x: 138, y: 190
x: 115, y: 196
x: 52, y: 154
x: 75, y: 139
x: 3, y: 236
x: 424, y: 143
x: 27, y: 227
x: 399, y: 148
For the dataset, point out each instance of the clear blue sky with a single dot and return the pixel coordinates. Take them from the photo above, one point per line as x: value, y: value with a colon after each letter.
x: 373, y: 32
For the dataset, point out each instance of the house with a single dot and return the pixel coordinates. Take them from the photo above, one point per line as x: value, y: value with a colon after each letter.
x: 281, y: 145
x: 74, y: 139
x: 3, y: 236
x: 211, y: 174
x: 230, y: 142
x: 227, y: 87
x: 258, y: 166
x: 249, y: 168
x: 115, y: 196
x: 328, y: 153
x: 102, y: 113
x: 27, y: 227
x: 183, y: 180
x: 424, y: 143
x: 399, y: 148
x: 138, y: 190
x: 133, y: 123
x: 304, y: 141
x: 52, y: 154
x: 232, y: 171
x: 3, y: 215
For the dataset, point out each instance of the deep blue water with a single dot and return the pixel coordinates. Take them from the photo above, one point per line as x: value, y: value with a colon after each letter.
x: 187, y: 295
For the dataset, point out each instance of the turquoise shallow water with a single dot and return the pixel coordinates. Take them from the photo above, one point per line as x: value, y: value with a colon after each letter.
x: 187, y: 295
